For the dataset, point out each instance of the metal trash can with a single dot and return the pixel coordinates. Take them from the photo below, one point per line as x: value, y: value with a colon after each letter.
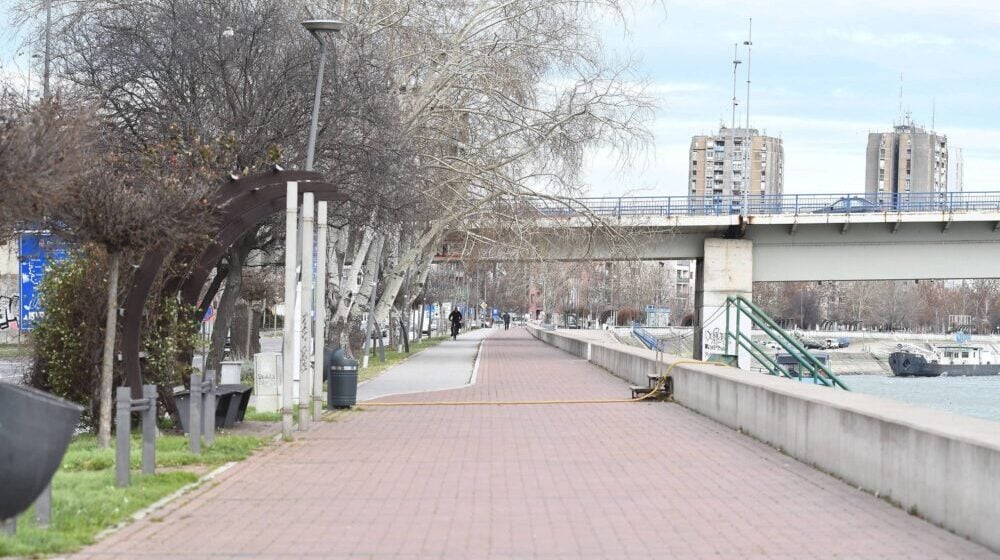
x: 342, y: 375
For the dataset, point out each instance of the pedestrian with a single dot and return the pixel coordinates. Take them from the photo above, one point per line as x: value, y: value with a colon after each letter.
x: 506, y: 320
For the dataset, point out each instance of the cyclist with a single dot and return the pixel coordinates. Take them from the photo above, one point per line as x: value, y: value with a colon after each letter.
x: 456, y: 321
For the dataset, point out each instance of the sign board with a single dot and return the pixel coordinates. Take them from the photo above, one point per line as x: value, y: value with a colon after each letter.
x: 36, y: 251
x: 657, y: 316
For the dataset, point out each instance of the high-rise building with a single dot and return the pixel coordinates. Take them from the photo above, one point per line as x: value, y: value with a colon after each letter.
x: 719, y: 165
x: 907, y: 160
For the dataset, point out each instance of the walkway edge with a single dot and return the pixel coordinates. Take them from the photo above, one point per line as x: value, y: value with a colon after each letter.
x: 164, y: 501
x: 472, y: 378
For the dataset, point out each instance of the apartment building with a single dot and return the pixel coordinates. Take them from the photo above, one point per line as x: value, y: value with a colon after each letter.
x: 721, y: 169
x: 907, y: 160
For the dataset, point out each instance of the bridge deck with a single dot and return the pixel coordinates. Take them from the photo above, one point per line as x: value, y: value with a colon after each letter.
x: 560, y: 480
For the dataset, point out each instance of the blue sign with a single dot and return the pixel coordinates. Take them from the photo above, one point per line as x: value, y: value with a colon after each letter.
x: 36, y: 250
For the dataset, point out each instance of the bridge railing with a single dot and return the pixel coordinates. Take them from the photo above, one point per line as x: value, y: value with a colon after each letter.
x: 783, y: 204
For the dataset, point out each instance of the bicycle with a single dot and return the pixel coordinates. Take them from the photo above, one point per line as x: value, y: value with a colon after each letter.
x: 454, y: 331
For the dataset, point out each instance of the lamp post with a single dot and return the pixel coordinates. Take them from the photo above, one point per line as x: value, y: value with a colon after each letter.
x: 318, y: 28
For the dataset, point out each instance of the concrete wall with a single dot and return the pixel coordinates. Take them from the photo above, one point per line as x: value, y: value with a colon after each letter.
x: 941, y: 466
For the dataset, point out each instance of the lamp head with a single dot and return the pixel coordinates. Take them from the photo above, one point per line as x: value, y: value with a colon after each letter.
x: 323, y: 25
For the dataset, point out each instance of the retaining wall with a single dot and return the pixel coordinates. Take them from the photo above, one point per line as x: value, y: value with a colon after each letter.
x: 941, y: 466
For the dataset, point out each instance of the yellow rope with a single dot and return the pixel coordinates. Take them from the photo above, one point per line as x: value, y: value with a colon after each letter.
x: 659, y: 384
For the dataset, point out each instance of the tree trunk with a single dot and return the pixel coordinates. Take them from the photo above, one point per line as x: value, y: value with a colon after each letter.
x: 241, y: 330
x: 108, y: 361
x: 397, y: 273
x: 224, y: 313
x: 256, y: 323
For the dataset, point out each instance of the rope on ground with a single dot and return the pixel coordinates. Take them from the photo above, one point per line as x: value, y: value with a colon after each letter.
x: 659, y: 385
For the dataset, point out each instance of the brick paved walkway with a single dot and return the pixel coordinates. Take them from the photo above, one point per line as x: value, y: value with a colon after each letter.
x: 649, y: 480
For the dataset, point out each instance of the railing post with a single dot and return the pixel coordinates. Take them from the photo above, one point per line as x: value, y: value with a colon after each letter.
x: 669, y: 200
x: 194, y: 414
x: 796, y: 205
x: 123, y: 421
x: 149, y: 430
x: 208, y: 419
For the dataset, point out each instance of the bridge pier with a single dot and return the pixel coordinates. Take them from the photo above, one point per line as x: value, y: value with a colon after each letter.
x: 726, y: 269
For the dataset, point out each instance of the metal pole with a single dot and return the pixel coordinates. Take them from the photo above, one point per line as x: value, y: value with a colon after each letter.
x: 149, y: 431
x: 43, y: 507
x: 305, y: 360
x: 123, y: 407
x: 194, y: 415
x: 319, y: 330
x: 311, y: 150
x: 288, y: 334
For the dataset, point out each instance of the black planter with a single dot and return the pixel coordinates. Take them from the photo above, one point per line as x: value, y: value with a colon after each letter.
x: 35, y: 429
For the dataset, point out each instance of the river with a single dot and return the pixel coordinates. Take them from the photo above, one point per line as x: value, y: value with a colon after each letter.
x: 969, y: 396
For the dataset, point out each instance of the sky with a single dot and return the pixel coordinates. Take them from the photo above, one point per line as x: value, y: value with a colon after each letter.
x: 824, y: 74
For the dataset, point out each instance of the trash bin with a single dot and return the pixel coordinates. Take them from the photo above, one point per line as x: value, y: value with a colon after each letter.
x: 342, y: 376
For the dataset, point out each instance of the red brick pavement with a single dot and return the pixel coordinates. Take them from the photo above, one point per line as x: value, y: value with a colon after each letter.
x: 631, y: 480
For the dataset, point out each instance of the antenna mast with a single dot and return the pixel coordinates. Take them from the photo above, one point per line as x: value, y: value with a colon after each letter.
x: 736, y: 62
x: 746, y: 143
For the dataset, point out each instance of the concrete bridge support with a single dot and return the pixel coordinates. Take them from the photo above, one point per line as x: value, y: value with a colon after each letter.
x: 726, y: 269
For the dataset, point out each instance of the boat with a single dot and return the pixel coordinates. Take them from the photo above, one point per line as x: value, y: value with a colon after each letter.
x: 945, y: 360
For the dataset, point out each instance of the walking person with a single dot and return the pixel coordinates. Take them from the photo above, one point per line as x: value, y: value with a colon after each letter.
x: 456, y: 322
x: 506, y: 321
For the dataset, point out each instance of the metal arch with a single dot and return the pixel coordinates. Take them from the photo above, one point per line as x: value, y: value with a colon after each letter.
x: 231, y: 198
x: 249, y: 211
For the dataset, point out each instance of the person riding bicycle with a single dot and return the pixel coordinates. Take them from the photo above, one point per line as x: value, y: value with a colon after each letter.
x: 456, y: 321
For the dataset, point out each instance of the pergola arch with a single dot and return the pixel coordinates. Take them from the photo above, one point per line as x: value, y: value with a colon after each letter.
x: 243, y: 204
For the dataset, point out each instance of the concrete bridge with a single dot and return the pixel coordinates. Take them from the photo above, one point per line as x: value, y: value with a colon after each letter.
x: 783, y: 238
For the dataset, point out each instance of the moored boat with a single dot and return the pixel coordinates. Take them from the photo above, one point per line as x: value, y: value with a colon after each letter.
x: 945, y: 360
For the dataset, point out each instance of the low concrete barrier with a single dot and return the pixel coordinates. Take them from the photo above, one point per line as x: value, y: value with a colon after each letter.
x: 940, y: 466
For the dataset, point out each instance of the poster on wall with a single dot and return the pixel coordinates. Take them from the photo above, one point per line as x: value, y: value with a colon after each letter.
x: 36, y: 251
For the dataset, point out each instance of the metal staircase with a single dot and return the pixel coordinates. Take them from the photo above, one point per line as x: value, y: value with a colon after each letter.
x: 739, y: 308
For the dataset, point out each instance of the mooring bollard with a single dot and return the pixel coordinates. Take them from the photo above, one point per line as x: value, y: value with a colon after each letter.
x: 124, y: 407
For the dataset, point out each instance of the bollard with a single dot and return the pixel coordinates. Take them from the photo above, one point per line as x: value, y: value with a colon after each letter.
x: 208, y: 415
x: 8, y: 526
x: 149, y: 430
x: 123, y: 421
x: 43, y: 507
x: 194, y: 416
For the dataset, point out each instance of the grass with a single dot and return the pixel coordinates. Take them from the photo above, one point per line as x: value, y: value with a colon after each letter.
x: 23, y: 350
x: 85, y: 500
x: 392, y: 357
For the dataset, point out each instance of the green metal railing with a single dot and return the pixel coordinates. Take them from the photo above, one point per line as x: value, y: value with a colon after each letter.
x: 808, y: 364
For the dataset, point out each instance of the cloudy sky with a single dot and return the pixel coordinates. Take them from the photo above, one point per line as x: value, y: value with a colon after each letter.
x: 824, y: 73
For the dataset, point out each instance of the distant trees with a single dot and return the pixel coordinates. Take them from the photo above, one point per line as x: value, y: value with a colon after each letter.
x: 924, y: 305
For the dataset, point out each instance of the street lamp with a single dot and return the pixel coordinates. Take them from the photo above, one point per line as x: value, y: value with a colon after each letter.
x: 317, y: 27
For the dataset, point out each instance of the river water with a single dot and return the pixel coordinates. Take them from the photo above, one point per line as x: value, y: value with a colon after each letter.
x: 969, y: 396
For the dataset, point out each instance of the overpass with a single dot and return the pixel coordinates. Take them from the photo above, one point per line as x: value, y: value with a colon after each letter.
x: 778, y: 238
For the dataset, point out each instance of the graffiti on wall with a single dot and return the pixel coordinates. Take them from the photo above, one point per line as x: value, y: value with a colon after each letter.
x: 9, y: 307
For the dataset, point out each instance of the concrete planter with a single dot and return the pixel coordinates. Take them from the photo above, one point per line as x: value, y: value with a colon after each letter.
x: 35, y: 429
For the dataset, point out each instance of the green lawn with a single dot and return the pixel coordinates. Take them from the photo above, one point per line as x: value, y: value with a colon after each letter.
x: 22, y: 350
x: 85, y: 500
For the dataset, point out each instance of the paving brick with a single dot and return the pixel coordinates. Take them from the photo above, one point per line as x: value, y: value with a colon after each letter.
x: 637, y: 480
